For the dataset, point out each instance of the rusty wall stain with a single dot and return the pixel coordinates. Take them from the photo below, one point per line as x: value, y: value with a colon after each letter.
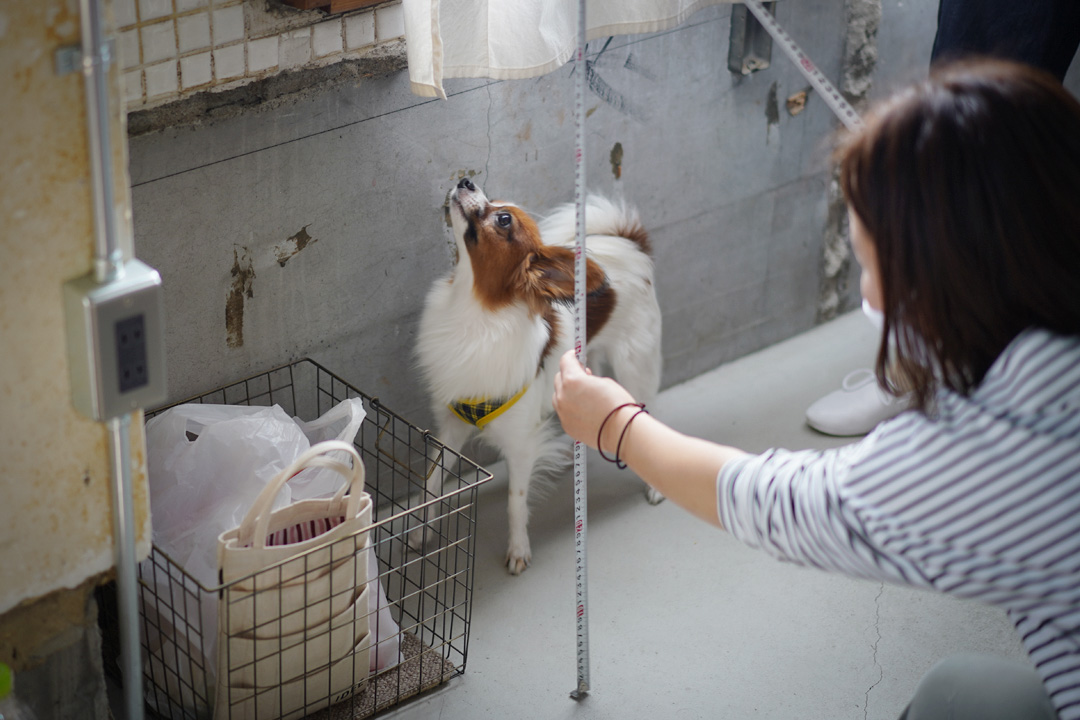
x: 772, y: 107
x: 293, y: 246
x: 616, y: 160
x: 242, y: 273
x: 772, y: 111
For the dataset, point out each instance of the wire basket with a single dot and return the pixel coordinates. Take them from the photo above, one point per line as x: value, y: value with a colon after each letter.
x: 428, y: 594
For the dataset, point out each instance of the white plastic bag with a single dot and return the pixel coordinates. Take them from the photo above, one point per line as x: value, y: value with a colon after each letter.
x: 206, y: 465
x: 385, y: 634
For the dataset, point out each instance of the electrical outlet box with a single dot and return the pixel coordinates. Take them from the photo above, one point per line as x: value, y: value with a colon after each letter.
x: 116, y: 342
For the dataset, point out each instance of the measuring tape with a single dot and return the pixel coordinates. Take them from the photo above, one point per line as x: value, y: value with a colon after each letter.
x: 580, y: 479
x: 836, y: 102
x: 847, y: 115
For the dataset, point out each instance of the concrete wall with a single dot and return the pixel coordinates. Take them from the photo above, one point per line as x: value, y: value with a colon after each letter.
x: 55, y: 517
x: 730, y: 184
x: 307, y: 218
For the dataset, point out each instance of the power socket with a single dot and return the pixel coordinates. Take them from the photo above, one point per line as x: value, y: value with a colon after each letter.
x: 116, y: 342
x: 131, y: 353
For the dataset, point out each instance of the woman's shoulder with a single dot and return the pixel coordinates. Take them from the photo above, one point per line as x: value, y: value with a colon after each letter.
x: 1038, y: 369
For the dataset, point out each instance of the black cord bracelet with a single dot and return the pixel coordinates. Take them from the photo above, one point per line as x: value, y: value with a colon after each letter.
x: 599, y: 433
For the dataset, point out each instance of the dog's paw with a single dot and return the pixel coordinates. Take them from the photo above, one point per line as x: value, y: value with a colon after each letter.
x: 653, y: 495
x: 517, y: 559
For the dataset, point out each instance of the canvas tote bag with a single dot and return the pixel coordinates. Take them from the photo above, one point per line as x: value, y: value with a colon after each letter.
x: 293, y: 627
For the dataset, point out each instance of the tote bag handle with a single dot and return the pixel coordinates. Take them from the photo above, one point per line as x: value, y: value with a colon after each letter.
x: 254, y: 526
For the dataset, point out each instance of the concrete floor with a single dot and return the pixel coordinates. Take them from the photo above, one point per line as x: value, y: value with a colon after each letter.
x: 684, y: 621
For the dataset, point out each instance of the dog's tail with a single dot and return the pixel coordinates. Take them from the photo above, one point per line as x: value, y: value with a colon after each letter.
x: 603, y: 216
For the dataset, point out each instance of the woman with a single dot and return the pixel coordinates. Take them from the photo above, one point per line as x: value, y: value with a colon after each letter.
x: 964, y: 200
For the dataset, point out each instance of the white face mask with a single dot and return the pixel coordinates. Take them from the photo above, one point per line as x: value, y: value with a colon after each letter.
x: 877, y: 318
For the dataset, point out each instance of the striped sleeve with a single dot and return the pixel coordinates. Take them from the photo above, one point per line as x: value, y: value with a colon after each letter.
x: 789, y: 504
x: 981, y: 500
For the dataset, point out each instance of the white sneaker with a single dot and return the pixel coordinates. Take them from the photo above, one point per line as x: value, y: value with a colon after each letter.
x: 856, y: 408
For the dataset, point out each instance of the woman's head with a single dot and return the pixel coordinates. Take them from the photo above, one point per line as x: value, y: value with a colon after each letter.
x: 967, y: 187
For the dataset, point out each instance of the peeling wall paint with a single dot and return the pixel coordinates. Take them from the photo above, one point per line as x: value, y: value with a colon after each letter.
x: 772, y: 111
x: 293, y: 246
x: 56, y: 517
x: 859, y: 64
x: 243, y: 274
x: 796, y: 102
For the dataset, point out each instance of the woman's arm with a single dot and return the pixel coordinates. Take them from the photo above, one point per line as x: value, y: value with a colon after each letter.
x: 681, y: 467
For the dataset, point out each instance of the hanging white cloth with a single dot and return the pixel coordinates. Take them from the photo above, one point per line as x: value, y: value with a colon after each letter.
x: 515, y: 39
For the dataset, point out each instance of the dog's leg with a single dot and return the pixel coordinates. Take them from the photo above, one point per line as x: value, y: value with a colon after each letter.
x: 639, y: 372
x: 520, y: 469
x: 453, y: 433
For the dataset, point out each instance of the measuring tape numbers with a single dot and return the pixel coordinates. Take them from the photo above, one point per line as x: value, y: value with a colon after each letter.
x: 580, y: 476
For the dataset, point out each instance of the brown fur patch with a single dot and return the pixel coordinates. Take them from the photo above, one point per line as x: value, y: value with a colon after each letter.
x: 599, y: 305
x: 636, y: 234
x: 511, y: 263
x: 500, y: 255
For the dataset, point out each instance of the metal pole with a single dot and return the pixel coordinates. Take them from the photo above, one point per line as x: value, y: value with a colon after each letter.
x: 580, y: 477
x: 108, y: 257
x: 108, y: 266
x: 126, y: 581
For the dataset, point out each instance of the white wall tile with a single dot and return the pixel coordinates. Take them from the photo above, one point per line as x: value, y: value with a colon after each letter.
x: 161, y: 79
x: 228, y: 24
x: 158, y: 41
x: 193, y: 31
x: 294, y: 48
x: 125, y: 13
x: 326, y: 38
x: 133, y: 87
x: 360, y: 30
x: 229, y: 61
x: 195, y: 70
x: 389, y: 22
x: 262, y: 54
x: 185, y: 5
x: 153, y: 9
x: 129, y: 49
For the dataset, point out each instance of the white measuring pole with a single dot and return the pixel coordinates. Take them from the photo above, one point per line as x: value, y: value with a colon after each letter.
x: 580, y: 480
x: 836, y: 102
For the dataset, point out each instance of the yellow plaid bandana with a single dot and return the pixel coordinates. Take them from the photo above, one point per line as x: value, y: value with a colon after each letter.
x: 481, y: 411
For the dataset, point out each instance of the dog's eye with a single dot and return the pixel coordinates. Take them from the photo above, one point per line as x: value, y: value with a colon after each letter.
x: 503, y: 219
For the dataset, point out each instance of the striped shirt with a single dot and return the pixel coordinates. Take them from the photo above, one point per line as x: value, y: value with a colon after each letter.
x: 981, y: 501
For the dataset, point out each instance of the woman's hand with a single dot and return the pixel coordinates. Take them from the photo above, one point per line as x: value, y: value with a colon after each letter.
x: 681, y: 467
x: 584, y: 400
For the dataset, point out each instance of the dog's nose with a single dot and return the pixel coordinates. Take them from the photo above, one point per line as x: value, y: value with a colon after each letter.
x: 466, y: 184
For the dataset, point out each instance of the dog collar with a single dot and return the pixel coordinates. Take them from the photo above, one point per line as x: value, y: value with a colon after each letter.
x: 481, y: 411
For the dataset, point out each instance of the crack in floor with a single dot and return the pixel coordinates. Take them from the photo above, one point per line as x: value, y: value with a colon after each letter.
x: 877, y: 640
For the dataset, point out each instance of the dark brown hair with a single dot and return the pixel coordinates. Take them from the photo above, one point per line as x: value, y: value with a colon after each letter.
x: 968, y: 185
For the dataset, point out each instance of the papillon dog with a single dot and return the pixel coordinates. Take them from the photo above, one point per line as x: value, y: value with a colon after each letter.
x: 493, y: 330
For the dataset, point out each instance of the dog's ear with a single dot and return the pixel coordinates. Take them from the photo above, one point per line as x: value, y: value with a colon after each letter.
x: 548, y: 275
